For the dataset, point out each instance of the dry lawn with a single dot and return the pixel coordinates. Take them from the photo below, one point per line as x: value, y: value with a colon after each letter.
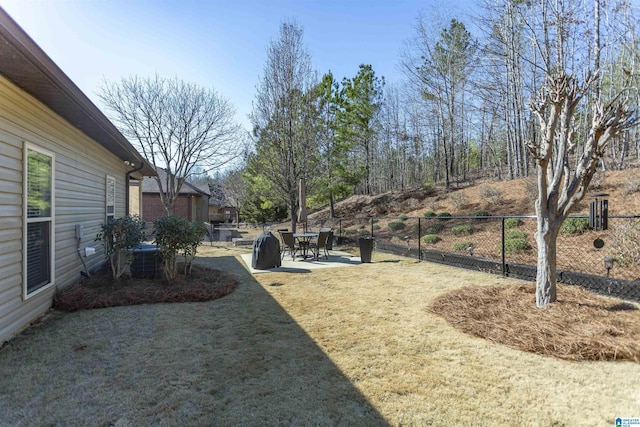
x: 346, y: 346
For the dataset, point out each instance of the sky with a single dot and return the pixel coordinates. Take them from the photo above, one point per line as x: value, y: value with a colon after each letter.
x: 219, y: 44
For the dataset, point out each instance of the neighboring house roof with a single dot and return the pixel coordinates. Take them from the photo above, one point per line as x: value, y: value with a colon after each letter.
x: 29, y: 68
x: 150, y: 185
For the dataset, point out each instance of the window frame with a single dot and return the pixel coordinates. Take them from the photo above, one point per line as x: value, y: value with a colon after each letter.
x: 26, y: 221
x: 108, y: 215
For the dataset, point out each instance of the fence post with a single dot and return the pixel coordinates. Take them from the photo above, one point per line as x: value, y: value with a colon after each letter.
x: 504, y: 262
x: 419, y: 234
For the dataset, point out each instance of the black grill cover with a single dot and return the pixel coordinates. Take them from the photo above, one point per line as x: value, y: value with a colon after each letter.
x: 266, y: 252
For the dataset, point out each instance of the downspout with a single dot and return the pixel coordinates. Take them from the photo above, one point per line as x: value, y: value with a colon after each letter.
x: 126, y: 180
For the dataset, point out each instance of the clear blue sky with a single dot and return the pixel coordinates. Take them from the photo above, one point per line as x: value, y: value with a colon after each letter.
x: 217, y: 43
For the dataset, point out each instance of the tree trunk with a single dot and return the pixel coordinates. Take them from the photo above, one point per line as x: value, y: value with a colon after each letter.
x: 332, y: 210
x: 546, y: 236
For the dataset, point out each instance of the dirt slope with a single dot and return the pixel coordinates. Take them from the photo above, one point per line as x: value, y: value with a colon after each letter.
x: 514, y: 197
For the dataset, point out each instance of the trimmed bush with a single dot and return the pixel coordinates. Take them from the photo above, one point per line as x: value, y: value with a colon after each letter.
x: 177, y: 235
x: 459, y: 230
x: 574, y: 225
x: 444, y: 216
x: 396, y: 226
x: 513, y: 246
x: 430, y: 239
x: 403, y: 217
x: 515, y: 234
x: 435, y: 228
x: 119, y: 236
x: 513, y: 222
x: 429, y: 214
x: 461, y: 246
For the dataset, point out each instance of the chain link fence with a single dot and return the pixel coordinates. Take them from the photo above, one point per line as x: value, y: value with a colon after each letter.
x: 607, y: 261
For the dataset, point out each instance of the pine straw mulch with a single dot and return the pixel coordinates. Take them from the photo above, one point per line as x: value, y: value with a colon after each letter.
x: 100, y: 290
x: 579, y: 326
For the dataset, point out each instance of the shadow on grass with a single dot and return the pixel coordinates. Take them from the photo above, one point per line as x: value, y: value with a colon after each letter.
x: 239, y: 360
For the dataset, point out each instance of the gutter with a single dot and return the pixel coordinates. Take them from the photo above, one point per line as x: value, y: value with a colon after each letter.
x: 127, y: 190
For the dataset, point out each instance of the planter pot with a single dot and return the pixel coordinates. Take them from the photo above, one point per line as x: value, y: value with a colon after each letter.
x: 366, y: 248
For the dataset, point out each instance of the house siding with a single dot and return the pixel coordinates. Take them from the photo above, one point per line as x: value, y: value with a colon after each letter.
x: 80, y: 169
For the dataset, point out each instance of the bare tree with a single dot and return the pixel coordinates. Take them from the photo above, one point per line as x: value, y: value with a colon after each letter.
x: 283, y: 118
x: 440, y: 71
x: 566, y: 160
x: 177, y: 126
x: 235, y: 189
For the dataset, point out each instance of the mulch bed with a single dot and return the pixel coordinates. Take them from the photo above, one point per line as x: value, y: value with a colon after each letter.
x: 100, y: 290
x: 579, y: 326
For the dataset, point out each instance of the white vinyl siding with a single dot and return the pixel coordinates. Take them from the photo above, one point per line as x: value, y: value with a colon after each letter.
x: 80, y: 168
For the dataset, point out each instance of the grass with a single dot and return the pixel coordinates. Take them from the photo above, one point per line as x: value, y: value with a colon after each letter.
x: 351, y: 346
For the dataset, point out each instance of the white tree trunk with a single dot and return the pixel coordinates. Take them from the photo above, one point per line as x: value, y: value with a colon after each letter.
x: 546, y: 235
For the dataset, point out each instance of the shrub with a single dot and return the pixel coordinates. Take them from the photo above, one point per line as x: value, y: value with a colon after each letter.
x: 396, y: 225
x: 403, y: 217
x: 444, y: 216
x: 512, y: 246
x: 459, y: 230
x: 458, y: 199
x: 481, y: 213
x: 515, y: 234
x: 531, y: 188
x: 461, y: 246
x: 574, y: 225
x: 513, y: 222
x: 632, y: 186
x: 492, y: 194
x: 429, y: 214
x: 624, y: 243
x: 119, y: 236
x: 430, y: 239
x: 376, y: 226
x: 177, y: 235
x: 435, y: 228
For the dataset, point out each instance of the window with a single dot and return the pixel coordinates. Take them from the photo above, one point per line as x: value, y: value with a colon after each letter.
x: 111, y: 198
x: 38, y: 218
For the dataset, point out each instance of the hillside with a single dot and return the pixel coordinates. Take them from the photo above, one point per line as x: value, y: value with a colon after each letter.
x: 514, y: 197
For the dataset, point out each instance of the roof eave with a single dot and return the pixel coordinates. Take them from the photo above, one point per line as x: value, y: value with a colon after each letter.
x: 28, y: 67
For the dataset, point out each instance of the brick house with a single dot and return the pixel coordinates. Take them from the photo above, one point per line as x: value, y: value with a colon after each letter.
x: 192, y: 202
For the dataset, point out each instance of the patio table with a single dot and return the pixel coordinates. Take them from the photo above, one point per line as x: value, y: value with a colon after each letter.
x: 304, y: 239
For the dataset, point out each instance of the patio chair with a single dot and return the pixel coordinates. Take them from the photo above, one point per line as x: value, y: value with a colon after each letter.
x: 288, y: 244
x: 321, y: 243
